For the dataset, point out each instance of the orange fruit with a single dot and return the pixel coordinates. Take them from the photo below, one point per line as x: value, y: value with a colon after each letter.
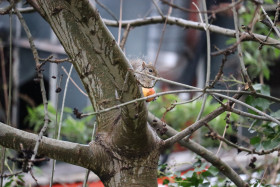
x: 147, y: 92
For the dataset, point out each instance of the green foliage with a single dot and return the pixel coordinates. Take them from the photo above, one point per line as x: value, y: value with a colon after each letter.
x: 266, y: 135
x: 183, y: 115
x: 15, y: 181
x: 257, y: 59
x: 198, y: 176
x: 76, y: 130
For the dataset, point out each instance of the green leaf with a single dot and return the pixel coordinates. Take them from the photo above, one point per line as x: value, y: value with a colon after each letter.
x: 259, y: 103
x: 8, y: 184
x: 276, y: 114
x: 213, y: 170
x: 270, y: 144
x: 266, y: 73
x: 261, y: 88
x: 165, y: 181
x: 276, y: 52
x: 255, y: 140
x: 189, y: 174
x: 269, y: 1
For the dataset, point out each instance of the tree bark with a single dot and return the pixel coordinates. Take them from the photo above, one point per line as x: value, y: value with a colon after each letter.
x: 102, y: 68
x: 125, y: 151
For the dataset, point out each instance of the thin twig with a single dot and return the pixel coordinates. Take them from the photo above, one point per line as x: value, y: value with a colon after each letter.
x: 162, y: 33
x: 55, y: 130
x: 185, y: 91
x: 158, y: 9
x: 208, y: 64
x: 220, y: 72
x: 225, y: 129
x: 56, y: 61
x: 198, y: 124
x: 231, y: 49
x: 61, y: 114
x: 207, y: 11
x: 270, y: 21
x: 120, y: 22
x: 264, y: 172
x: 75, y: 84
x: 125, y: 35
x: 200, y: 15
x: 4, y: 77
x: 7, y: 9
x: 107, y: 10
x: 42, y: 86
x: 248, y: 106
x: 134, y: 101
x: 92, y: 139
x: 254, y: 19
x: 246, y: 114
x: 189, y: 101
x: 63, y: 102
x: 240, y: 55
x: 215, y: 135
x: 3, y: 150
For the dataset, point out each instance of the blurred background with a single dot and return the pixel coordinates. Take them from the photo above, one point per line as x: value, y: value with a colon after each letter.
x: 182, y: 58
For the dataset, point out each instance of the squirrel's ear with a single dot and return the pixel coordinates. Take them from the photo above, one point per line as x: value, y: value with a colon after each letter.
x: 143, y: 64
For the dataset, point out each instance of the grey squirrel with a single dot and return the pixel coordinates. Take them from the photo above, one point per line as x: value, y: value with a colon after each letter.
x: 140, y: 66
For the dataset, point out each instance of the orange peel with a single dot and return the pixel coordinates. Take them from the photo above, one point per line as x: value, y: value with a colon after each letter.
x: 148, y: 92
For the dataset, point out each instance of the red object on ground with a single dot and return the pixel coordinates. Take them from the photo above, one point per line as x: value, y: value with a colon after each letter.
x: 79, y: 184
x: 100, y: 184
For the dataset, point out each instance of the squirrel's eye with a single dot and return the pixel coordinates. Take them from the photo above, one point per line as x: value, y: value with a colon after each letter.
x: 150, y: 70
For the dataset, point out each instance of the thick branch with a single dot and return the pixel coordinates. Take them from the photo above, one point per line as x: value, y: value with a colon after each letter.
x: 80, y: 154
x: 200, y: 150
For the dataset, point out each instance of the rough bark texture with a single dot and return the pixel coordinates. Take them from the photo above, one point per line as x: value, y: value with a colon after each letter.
x: 129, y: 149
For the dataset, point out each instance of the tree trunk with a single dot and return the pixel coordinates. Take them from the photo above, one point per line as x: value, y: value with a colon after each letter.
x: 126, y: 150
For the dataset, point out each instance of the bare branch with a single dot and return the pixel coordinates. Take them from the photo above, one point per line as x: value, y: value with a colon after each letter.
x: 248, y: 106
x: 57, y: 61
x: 125, y: 35
x: 75, y: 84
x: 196, y: 25
x: 215, y: 135
x: 189, y: 130
x: 120, y: 22
x: 107, y: 10
x: 42, y: 86
x: 158, y: 9
x: 205, y: 11
x: 240, y: 55
x: 245, y: 114
x: 162, y: 34
x: 200, y: 150
x: 7, y: 9
x: 271, y: 23
x: 80, y: 154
